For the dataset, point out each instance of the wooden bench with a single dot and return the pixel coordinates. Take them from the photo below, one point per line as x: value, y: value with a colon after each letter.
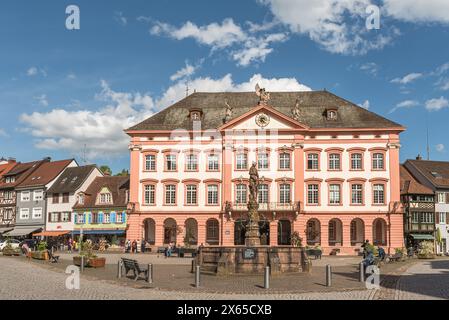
x: 161, y: 249
x: 183, y: 251
x: 53, y: 258
x: 314, y: 252
x: 136, y: 268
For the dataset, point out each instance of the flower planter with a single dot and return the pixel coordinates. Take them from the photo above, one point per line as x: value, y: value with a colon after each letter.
x: 97, y: 262
x: 40, y: 255
x: 10, y: 252
x: 77, y: 261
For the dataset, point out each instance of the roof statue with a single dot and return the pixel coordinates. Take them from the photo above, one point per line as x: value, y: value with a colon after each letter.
x: 263, y: 95
x: 296, y: 112
x: 229, y: 112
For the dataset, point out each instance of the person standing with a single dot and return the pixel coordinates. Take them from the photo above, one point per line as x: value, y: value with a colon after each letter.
x: 69, y: 245
x: 134, y: 247
x: 143, y: 246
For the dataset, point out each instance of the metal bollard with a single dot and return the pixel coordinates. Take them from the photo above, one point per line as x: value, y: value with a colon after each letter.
x: 150, y: 273
x: 82, y: 264
x: 266, y: 282
x: 119, y: 269
x: 328, y: 275
x: 361, y: 272
x: 197, y: 276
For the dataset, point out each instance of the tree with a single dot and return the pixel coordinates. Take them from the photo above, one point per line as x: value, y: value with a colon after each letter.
x: 106, y: 170
x: 124, y: 173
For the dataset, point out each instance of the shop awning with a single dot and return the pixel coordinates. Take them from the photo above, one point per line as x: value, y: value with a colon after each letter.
x: 19, y: 232
x: 50, y: 233
x: 422, y: 236
x: 99, y: 232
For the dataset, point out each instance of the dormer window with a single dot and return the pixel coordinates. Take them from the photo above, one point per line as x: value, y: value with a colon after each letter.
x: 195, y: 115
x: 105, y: 198
x: 10, y: 179
x: 331, y: 114
x: 81, y: 198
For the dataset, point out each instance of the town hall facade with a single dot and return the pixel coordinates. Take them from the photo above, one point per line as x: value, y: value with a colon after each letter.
x: 329, y: 171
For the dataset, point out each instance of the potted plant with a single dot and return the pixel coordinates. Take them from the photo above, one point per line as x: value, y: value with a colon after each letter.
x: 8, y: 250
x: 426, y: 250
x: 90, y: 259
x: 296, y: 239
x: 41, y: 253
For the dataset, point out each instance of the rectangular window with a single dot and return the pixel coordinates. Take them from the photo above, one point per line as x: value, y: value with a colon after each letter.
x: 263, y: 193
x: 191, y: 194
x: 378, y: 161
x: 170, y: 194
x: 95, y: 218
x: 54, y: 217
x: 415, y: 217
x: 334, y: 161
x: 356, y: 194
x: 55, y: 197
x: 313, y: 194
x: 242, y: 161
x: 150, y: 194
x: 7, y: 215
x: 150, y: 162
x: 262, y: 161
x: 442, y: 217
x: 65, y: 197
x: 241, y: 194
x: 379, y: 194
x: 284, y: 161
x: 119, y: 218
x: 80, y: 218
x: 9, y: 195
x: 285, y: 193
x: 105, y: 198
x: 106, y: 218
x: 427, y: 218
x: 25, y: 196
x: 66, y: 217
x: 312, y: 161
x: 356, y: 161
x: 212, y: 162
x: 170, y: 162
x: 212, y: 194
x: 334, y: 194
x: 37, y: 213
x: 441, y: 197
x: 38, y: 195
x: 24, y: 213
x: 191, y: 162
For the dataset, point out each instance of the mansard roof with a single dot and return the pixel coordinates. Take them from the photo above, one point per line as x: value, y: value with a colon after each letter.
x: 312, y: 109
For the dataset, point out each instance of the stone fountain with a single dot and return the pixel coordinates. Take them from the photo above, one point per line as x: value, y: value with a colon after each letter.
x: 252, y: 258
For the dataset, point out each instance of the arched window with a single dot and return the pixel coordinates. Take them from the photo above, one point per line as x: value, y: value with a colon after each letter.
x: 191, y: 232
x: 170, y: 231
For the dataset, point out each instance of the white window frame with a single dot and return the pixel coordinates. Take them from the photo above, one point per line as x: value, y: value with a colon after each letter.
x: 379, y: 193
x: 357, y: 194
x: 24, y: 213
x: 192, y: 194
x: 285, y: 161
x: 263, y: 196
x: 213, y: 162
x: 313, y: 194
x: 335, y: 194
x: 150, y: 162
x: 35, y: 216
x: 212, y: 194
x: 242, y: 161
x: 356, y: 161
x: 23, y: 197
x: 150, y: 194
x: 170, y: 194
x: 263, y: 161
x: 241, y: 194
x: 334, y: 161
x: 38, y: 195
x: 285, y: 193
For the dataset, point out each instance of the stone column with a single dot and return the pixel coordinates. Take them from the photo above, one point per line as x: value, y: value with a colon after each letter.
x: 299, y: 169
x: 159, y: 236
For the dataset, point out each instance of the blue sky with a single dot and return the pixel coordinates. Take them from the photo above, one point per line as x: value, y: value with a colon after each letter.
x: 65, y: 93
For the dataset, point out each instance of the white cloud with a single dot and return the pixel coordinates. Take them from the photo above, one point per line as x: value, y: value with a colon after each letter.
x: 408, y: 78
x: 101, y: 130
x: 365, y: 105
x: 118, y: 16
x: 257, y: 49
x: 418, y: 10
x: 42, y: 99
x: 370, y: 67
x: 440, y: 147
x: 34, y: 71
x: 444, y: 84
x: 71, y: 76
x: 187, y: 71
x: 437, y: 104
x: 244, y: 47
x: 405, y: 104
x: 216, y: 35
x: 3, y: 133
x: 337, y: 25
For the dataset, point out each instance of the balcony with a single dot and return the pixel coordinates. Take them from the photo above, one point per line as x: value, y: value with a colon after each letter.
x: 270, y: 206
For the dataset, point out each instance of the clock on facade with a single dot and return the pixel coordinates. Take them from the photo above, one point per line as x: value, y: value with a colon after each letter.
x: 262, y: 120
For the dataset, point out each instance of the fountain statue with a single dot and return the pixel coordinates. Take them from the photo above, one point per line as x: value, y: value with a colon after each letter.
x: 252, y: 236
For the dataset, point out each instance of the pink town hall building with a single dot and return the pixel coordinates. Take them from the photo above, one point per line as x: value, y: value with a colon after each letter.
x: 329, y: 171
